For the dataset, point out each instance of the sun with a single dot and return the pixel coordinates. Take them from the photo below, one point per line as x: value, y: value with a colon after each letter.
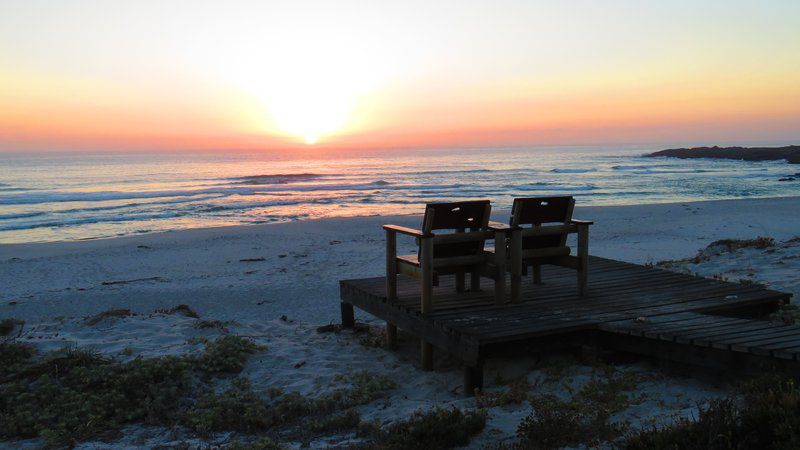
x: 309, y: 109
x: 310, y: 86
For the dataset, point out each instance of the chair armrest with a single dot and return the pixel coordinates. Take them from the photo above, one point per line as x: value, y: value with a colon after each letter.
x: 581, y: 222
x: 406, y: 230
x: 499, y: 226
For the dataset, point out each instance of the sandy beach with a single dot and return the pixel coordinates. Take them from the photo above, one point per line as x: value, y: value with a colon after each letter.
x: 277, y: 283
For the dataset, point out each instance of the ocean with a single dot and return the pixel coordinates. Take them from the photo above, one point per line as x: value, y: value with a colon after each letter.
x: 58, y: 197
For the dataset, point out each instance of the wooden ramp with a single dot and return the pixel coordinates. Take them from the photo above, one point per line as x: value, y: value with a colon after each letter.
x: 625, y: 303
x: 706, y: 339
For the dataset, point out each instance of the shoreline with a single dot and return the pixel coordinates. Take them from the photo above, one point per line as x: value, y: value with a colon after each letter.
x: 497, y: 215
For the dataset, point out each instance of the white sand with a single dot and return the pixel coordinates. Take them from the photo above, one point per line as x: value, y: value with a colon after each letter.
x: 53, y: 286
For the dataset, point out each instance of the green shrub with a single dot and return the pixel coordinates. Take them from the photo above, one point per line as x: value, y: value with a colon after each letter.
x: 346, y: 420
x: 12, y: 354
x: 516, y: 393
x: 435, y: 429
x: 180, y: 309
x: 71, y: 395
x: 261, y: 444
x: 365, y: 387
x: 219, y: 325
x: 766, y: 414
x: 94, y: 320
x: 236, y: 409
x: 8, y: 325
x: 730, y: 245
x: 556, y: 424
x: 227, y: 354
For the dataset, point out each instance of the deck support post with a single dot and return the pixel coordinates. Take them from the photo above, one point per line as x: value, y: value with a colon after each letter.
x: 348, y: 315
x: 473, y: 379
x: 516, y: 265
x: 391, y: 265
x: 391, y: 336
x: 500, y: 267
x: 583, y: 259
x: 426, y: 350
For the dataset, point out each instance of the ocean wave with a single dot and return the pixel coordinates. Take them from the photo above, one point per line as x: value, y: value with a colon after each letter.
x: 381, y: 182
x: 61, y: 197
x: 552, y: 187
x: 629, y: 167
x: 572, y: 170
x: 8, y: 188
x: 443, y: 172
x: 277, y: 178
x: 91, y: 220
x: 21, y: 215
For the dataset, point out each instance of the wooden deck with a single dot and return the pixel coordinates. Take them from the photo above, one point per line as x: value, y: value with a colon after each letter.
x: 628, y: 306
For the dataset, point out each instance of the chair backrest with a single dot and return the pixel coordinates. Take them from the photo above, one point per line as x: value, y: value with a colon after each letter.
x: 538, y: 211
x: 458, y: 217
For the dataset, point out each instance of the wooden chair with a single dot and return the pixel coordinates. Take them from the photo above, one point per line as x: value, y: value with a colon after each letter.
x: 540, y: 227
x: 457, y: 247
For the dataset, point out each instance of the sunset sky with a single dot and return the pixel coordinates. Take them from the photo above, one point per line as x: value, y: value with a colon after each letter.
x: 175, y: 75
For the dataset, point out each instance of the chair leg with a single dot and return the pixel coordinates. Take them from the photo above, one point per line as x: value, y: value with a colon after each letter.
x: 583, y: 260
x: 391, y: 336
x: 537, y: 274
x: 500, y: 268
x: 475, y: 280
x: 426, y: 350
x: 516, y: 266
x: 460, y: 281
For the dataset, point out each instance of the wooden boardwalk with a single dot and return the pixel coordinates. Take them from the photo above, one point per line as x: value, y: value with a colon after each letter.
x: 631, y: 307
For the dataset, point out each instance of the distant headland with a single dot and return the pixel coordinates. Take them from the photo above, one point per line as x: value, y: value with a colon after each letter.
x: 790, y: 153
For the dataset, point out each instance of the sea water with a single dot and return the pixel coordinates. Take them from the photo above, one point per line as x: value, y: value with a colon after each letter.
x: 53, y: 197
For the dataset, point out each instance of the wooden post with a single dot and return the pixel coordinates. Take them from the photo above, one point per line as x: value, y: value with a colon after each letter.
x: 583, y: 259
x: 537, y: 274
x: 426, y: 265
x: 391, y: 336
x: 500, y: 267
x: 473, y: 379
x: 348, y: 315
x: 475, y: 280
x: 426, y: 350
x: 391, y: 265
x: 516, y: 265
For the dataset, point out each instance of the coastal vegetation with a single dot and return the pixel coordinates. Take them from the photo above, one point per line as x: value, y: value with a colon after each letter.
x: 765, y: 413
x: 72, y: 395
